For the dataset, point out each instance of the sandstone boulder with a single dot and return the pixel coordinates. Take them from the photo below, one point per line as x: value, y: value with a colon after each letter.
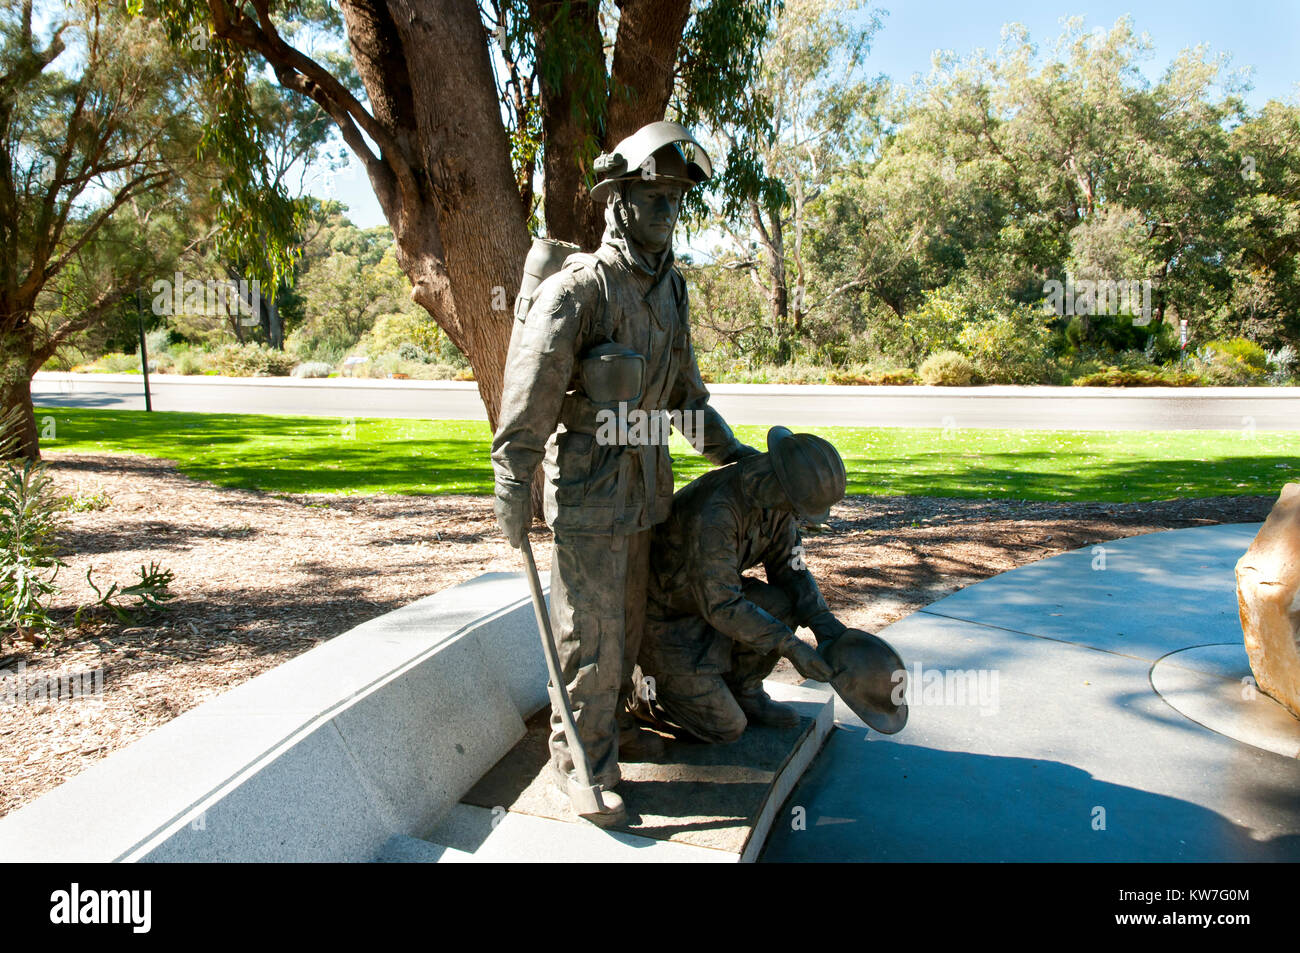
x: 1268, y: 593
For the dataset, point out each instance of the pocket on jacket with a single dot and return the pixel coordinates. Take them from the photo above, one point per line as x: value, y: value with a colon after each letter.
x: 573, y: 463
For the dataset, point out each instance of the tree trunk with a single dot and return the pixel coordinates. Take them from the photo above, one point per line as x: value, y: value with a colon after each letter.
x: 16, y: 398
x: 272, y: 323
x: 568, y: 121
x: 461, y: 238
x: 637, y: 93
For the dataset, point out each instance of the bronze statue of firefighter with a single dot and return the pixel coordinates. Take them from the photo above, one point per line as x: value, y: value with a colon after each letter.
x: 601, y: 345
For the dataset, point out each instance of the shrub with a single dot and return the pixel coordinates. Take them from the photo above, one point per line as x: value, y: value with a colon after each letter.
x: 189, y: 362
x: 1240, y: 351
x: 114, y: 363
x: 313, y: 369
x: 1233, y: 363
x: 413, y: 352
x: 1282, y: 365
x: 934, y: 326
x: 948, y: 369
x: 394, y: 366
x: 415, y: 331
x: 1128, y: 377
x: 158, y: 341
x: 252, y: 360
x: 1009, y: 348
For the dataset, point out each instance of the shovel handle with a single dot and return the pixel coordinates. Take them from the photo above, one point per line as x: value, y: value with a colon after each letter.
x: 583, y: 791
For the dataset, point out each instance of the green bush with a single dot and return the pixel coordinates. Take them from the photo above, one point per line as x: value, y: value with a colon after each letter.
x: 1233, y: 363
x: 415, y: 331
x: 189, y: 362
x: 114, y: 363
x: 252, y: 360
x: 934, y: 326
x: 1009, y: 348
x: 889, y: 377
x: 948, y: 369
x: 394, y: 365
x: 1240, y: 351
x: 413, y: 352
x: 1130, y: 377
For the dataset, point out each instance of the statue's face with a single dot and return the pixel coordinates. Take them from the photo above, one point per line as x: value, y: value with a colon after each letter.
x: 652, y: 209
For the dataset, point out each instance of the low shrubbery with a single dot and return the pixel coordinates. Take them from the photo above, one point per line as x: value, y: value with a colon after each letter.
x: 956, y: 338
x: 1132, y: 377
x: 313, y: 369
x: 252, y: 360
x: 948, y: 369
x: 1011, y: 348
x: 1233, y: 363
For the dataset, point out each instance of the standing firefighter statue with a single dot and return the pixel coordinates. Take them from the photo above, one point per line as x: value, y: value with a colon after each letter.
x: 600, y: 362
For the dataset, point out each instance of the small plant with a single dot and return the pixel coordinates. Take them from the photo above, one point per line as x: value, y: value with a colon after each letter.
x: 313, y: 369
x: 948, y: 369
x: 151, y: 593
x: 29, y: 518
x: 1282, y: 365
x: 409, y: 351
x: 84, y: 502
x: 252, y: 360
x: 1009, y: 348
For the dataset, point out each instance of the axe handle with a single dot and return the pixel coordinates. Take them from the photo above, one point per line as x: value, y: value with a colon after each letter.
x: 558, y: 692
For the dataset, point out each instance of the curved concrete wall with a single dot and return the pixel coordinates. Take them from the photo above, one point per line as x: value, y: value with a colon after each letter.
x: 376, y: 733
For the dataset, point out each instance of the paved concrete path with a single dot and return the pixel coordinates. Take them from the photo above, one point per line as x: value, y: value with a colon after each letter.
x: 1028, y: 408
x: 1064, y: 751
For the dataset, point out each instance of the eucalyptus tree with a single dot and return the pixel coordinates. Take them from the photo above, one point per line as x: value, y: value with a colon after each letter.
x: 456, y: 108
x: 97, y: 140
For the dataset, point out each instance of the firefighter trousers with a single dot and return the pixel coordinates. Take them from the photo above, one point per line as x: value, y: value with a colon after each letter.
x: 598, y: 599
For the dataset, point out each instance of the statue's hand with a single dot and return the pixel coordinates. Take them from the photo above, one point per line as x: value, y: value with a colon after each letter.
x: 806, y: 661
x: 514, y: 509
x: 826, y: 627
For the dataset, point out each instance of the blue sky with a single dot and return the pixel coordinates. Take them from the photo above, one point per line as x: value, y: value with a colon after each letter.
x: 1260, y: 35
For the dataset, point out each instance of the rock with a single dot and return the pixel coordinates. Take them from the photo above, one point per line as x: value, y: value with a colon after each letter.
x: 1268, y: 593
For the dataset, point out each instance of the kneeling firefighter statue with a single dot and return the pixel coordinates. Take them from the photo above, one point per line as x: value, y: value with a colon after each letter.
x: 608, y: 332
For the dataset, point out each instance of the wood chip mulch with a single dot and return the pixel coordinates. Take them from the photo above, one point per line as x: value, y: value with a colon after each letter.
x: 263, y: 577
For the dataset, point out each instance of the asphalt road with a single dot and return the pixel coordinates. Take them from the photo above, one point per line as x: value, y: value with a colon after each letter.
x: 1028, y: 408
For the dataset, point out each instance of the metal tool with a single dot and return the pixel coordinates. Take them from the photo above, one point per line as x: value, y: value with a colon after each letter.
x: 584, y: 795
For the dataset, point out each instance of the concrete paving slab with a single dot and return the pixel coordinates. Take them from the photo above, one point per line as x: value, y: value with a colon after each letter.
x: 1144, y: 596
x: 1072, y: 730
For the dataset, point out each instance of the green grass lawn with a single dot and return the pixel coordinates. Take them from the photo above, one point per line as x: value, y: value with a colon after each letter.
x: 332, y: 455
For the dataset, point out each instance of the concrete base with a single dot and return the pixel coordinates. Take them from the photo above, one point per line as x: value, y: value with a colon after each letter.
x: 376, y: 733
x: 363, y: 748
x: 708, y: 803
